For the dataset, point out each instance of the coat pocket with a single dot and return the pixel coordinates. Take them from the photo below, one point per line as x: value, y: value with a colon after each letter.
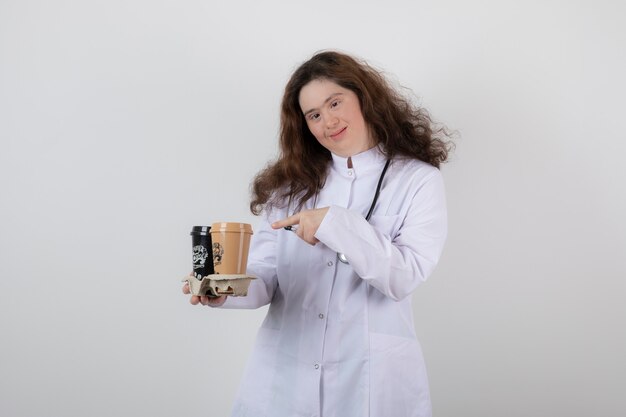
x: 398, y: 377
x: 256, y: 388
x: 387, y: 225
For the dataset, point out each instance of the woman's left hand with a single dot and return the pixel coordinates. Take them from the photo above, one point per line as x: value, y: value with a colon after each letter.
x: 307, y: 222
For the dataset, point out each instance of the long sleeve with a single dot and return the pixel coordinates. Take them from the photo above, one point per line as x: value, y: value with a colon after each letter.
x: 396, y: 264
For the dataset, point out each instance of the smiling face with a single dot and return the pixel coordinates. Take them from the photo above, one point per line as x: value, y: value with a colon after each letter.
x: 333, y: 115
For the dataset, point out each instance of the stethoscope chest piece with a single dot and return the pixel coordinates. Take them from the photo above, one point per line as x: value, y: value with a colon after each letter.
x: 342, y: 258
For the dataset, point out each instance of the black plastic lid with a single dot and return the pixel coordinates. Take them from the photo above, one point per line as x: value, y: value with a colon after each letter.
x: 200, y: 230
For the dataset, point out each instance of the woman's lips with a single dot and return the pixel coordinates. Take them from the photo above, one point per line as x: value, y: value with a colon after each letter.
x: 336, y: 135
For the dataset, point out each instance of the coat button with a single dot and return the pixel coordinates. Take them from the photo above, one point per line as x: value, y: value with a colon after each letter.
x: 317, y: 366
x: 330, y: 263
x: 321, y: 316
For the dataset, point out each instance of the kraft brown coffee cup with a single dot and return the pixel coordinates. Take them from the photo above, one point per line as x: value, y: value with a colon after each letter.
x: 231, y: 242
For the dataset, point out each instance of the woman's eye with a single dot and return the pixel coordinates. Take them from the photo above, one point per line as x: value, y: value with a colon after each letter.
x: 314, y: 116
x: 334, y: 103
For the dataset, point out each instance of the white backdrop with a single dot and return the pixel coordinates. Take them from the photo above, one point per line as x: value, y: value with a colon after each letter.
x: 125, y: 122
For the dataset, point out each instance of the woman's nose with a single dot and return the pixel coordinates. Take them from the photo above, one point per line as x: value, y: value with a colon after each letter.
x: 331, y: 120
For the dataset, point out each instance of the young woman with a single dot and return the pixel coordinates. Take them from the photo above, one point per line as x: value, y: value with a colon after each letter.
x: 354, y: 219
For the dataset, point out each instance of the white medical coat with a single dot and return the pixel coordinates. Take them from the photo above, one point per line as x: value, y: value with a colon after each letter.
x: 338, y: 340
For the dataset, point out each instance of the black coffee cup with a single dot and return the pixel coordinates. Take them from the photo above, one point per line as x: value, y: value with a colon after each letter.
x: 202, y: 251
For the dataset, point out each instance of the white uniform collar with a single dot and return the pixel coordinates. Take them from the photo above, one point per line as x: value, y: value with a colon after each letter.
x: 370, y: 159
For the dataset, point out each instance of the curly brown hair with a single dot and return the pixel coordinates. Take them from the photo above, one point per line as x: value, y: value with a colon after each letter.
x: 396, y: 125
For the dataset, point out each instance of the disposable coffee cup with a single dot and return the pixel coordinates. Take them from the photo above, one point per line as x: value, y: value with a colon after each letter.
x: 231, y: 243
x: 202, y: 251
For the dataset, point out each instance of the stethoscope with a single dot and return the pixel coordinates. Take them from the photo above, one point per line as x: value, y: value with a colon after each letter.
x: 341, y: 256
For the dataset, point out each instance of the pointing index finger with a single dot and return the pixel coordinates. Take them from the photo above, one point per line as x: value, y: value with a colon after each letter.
x: 289, y: 221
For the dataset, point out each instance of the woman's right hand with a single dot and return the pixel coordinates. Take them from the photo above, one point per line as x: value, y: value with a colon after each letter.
x: 204, y: 300
x: 308, y: 221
